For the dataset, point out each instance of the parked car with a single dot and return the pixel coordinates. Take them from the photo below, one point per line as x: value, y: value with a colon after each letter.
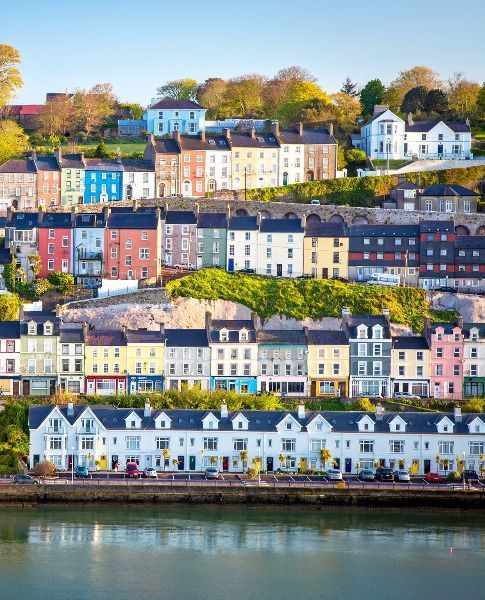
x: 433, y: 477
x: 469, y: 475
x: 81, y: 471
x: 401, y: 475
x: 334, y: 475
x: 315, y: 201
x: 384, y: 474
x: 449, y: 290
x: 248, y: 271
x: 366, y: 475
x: 150, y: 473
x: 212, y: 473
x: 305, y: 276
x: 131, y: 470
x: 24, y: 479
x: 406, y: 395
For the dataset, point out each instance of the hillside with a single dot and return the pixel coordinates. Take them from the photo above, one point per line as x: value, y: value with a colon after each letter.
x: 307, y: 298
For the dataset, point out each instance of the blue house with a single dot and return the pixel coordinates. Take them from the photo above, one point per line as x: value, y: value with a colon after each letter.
x: 167, y: 115
x: 103, y: 180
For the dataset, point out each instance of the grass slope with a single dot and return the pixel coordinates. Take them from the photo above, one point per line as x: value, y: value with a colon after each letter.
x: 301, y: 298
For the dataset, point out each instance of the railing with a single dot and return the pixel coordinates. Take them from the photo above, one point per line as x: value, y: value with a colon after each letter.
x: 59, y: 430
x: 88, y: 430
x: 90, y: 255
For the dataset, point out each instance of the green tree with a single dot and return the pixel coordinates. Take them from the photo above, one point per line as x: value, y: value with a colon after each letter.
x: 325, y: 456
x: 462, y: 95
x: 166, y: 456
x: 435, y: 101
x: 349, y: 87
x: 355, y: 159
x: 10, y: 79
x: 62, y: 282
x: 347, y: 111
x: 243, y: 96
x: 44, y: 468
x: 93, y: 107
x: 418, y: 76
x: 276, y: 89
x: 480, y: 103
x: 35, y: 263
x: 414, y: 99
x: 34, y: 290
x: 371, y: 94
x: 9, y: 307
x: 101, y: 150
x: 211, y: 95
x: 9, y: 272
x: 178, y: 89
x: 13, y: 140
x: 135, y: 109
x: 244, y: 458
x: 297, y: 98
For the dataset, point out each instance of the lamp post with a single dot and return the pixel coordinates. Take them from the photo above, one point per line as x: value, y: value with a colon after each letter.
x: 259, y: 466
x: 463, y: 470
x: 72, y: 467
x: 388, y: 148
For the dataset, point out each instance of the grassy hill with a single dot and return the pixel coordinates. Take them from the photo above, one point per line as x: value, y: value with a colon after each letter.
x: 302, y: 298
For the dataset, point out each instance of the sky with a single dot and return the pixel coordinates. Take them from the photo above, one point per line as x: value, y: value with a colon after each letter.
x: 137, y: 46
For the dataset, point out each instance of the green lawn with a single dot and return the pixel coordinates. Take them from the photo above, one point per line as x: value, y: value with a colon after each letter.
x: 381, y: 163
x: 125, y: 147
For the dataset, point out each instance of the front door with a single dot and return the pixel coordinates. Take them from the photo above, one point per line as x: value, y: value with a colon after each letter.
x: 279, y: 270
x: 341, y: 389
x: 52, y: 386
x: 25, y: 388
x: 191, y: 463
x: 427, y: 466
x: 102, y: 462
x: 230, y: 265
x: 199, y: 262
x: 114, y: 461
x: 16, y: 388
x: 269, y: 464
x: 324, y: 273
x: 415, y: 466
x: 225, y: 463
x: 303, y: 465
x: 181, y: 463
x: 440, y: 149
x: 121, y: 386
x: 348, y: 465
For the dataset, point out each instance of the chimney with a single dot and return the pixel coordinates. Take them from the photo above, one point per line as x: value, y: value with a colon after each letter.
x: 253, y: 133
x: 275, y: 128
x: 59, y: 310
x: 303, y: 221
x: 300, y: 128
x: 258, y: 219
x: 224, y: 413
x: 197, y: 208
x: 301, y: 411
x: 208, y: 319
x: 21, y: 312
x: 385, y: 312
x: 427, y: 323
x: 151, y: 138
x: 73, y: 214
x: 85, y: 331
x: 41, y: 214
x: 457, y: 414
x: 135, y: 205
x: 345, y: 312
x: 227, y: 133
x: 254, y: 319
x: 70, y: 409
x: 81, y: 156
x: 330, y: 129
x: 409, y: 119
x: 147, y: 411
x: 176, y: 136
x: 459, y: 322
x: 10, y: 212
x: 162, y: 328
x: 202, y: 135
x: 58, y: 155
x: 106, y: 213
x: 228, y: 213
x: 305, y: 331
x: 379, y: 109
x: 379, y: 412
x: 33, y: 156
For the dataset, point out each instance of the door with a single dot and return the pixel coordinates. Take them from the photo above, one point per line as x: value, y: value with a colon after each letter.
x: 324, y: 273
x: 303, y: 465
x: 269, y: 464
x: 102, y: 462
x: 285, y: 178
x: 279, y: 270
x: 199, y: 262
x: 427, y: 465
x: 225, y: 463
x: 114, y: 461
x: 91, y: 387
x: 181, y: 463
x: 121, y: 386
x: 16, y: 388
x: 230, y: 265
x: 341, y: 389
x: 348, y: 465
x: 191, y: 463
x: 52, y: 386
x: 440, y: 149
x: 70, y: 460
x: 415, y: 466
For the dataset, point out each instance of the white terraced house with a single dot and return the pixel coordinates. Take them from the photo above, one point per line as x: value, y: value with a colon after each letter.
x: 104, y: 436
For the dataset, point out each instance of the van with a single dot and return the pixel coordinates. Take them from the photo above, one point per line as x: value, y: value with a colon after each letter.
x: 384, y: 279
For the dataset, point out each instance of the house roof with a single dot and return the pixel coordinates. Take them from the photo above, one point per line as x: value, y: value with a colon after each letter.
x: 325, y: 229
x: 144, y: 336
x: 61, y: 220
x: 9, y: 330
x: 25, y: 109
x: 18, y: 165
x: 113, y: 418
x: 136, y: 164
x: 40, y: 317
x: 47, y: 163
x: 384, y: 230
x: 423, y: 126
x: 69, y: 336
x: 278, y: 337
x: 402, y: 342
x: 180, y: 217
x: 211, y: 142
x: 133, y: 220
x: 439, y: 189
x: 195, y: 338
x: 447, y: 327
x: 243, y: 223
x: 212, y: 221
x: 322, y: 337
x: 90, y: 220
x: 103, y: 164
x: 260, y: 140
x: 169, y: 103
x: 166, y: 146
x: 291, y: 135
x: 351, y: 324
x: 5, y: 256
x: 437, y: 226
x: 406, y: 185
x: 105, y: 338
x: 281, y: 226
x: 23, y: 220
x: 468, y: 326
x: 73, y: 161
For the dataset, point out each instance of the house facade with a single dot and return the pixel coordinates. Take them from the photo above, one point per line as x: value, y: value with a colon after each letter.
x: 211, y: 240
x: 411, y: 366
x: 451, y: 198
x: 447, y: 348
x: 164, y: 155
x: 137, y: 179
x: 187, y: 359
x: 105, y: 362
x: 280, y: 247
x: 103, y: 180
x: 55, y: 237
x: 18, y: 184
x: 48, y: 180
x: 469, y: 262
x: 21, y: 233
x: 10, y: 357
x: 474, y: 359
x: 242, y: 244
x: 39, y: 336
x: 326, y: 250
x: 328, y: 363
x: 167, y: 115
x: 88, y: 248
x: 73, y: 173
x: 180, y: 239
x: 145, y: 358
x: 70, y: 357
x: 436, y: 249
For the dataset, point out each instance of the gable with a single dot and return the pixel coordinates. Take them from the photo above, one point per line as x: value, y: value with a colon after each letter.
x: 476, y: 425
x: 288, y: 424
x: 162, y: 421
x: 365, y: 424
x: 397, y: 423
x: 319, y: 423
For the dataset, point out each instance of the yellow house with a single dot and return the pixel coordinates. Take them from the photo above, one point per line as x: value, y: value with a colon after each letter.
x: 411, y: 366
x: 328, y: 363
x: 105, y: 362
x: 254, y: 159
x: 326, y: 250
x: 145, y: 351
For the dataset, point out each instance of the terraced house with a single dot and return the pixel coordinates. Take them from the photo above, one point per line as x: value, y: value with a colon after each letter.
x: 73, y: 172
x: 474, y: 359
x: 145, y: 360
x: 18, y: 184
x: 187, y: 359
x: 211, y: 240
x: 328, y: 363
x: 10, y: 357
x: 70, y: 357
x: 411, y: 365
x: 280, y: 247
x: 326, y: 250
x: 105, y: 362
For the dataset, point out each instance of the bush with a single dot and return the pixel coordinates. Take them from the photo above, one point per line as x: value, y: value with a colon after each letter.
x: 9, y: 307
x: 61, y: 282
x: 454, y: 476
x: 34, y: 290
x: 252, y: 472
x: 44, y: 468
x: 366, y: 405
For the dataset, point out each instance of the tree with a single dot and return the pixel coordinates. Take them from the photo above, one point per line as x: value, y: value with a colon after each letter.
x: 94, y: 107
x: 355, y: 159
x: 179, y: 89
x: 57, y: 117
x: 435, y: 101
x: 13, y: 140
x: 462, y: 95
x: 349, y: 87
x: 414, y: 99
x: 299, y: 97
x: 325, y: 456
x: 9, y: 272
x: 101, y: 150
x: 317, y: 112
x: 211, y: 95
x: 370, y: 95
x: 34, y: 290
x: 347, y: 111
x: 35, y: 263
x: 44, y: 468
x: 9, y: 307
x: 419, y: 76
x: 282, y: 459
x: 480, y: 103
x: 10, y: 79
x: 135, y: 109
x: 243, y: 95
x: 166, y: 456
x: 244, y: 458
x: 61, y: 282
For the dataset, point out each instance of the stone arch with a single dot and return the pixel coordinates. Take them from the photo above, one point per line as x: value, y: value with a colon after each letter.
x: 336, y: 219
x: 313, y: 218
x: 462, y: 230
x: 241, y: 212
x: 290, y: 215
x: 480, y: 230
x: 360, y: 220
x: 265, y: 214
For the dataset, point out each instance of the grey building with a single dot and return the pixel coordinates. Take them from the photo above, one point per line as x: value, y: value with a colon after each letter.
x: 448, y: 199
x: 211, y: 240
x: 179, y: 239
x: 187, y: 359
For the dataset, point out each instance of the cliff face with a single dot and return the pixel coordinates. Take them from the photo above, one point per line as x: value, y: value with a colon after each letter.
x: 471, y: 308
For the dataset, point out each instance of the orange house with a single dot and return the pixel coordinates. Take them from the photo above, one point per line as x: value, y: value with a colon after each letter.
x: 192, y: 166
x: 48, y: 181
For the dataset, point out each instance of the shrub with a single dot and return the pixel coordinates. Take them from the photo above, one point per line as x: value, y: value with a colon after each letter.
x: 44, y: 468
x: 34, y: 290
x: 61, y: 282
x: 252, y: 472
x: 366, y: 405
x: 454, y: 476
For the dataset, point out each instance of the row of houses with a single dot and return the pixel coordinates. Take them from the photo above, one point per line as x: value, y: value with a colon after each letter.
x: 40, y: 354
x: 134, y: 243
x: 107, y: 438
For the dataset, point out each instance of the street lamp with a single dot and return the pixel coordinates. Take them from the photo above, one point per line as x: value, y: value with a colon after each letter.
x: 463, y: 470
x: 388, y: 148
x: 72, y: 466
x: 259, y: 466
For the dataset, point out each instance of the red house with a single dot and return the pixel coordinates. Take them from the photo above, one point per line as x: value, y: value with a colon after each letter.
x: 133, y: 242
x: 55, y: 242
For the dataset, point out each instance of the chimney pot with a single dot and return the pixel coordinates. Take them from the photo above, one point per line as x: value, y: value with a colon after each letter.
x: 224, y: 413
x: 300, y: 128
x: 345, y: 311
x: 275, y: 128
x: 385, y: 312
x: 301, y: 411
x: 70, y: 409
x: 227, y: 133
x: 147, y: 412
x: 457, y: 414
x: 379, y: 412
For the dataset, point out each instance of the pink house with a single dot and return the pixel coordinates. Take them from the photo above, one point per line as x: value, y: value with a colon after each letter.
x: 446, y: 343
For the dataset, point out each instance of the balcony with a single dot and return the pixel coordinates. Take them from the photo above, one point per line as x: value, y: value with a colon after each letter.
x: 56, y: 431
x: 87, y: 430
x: 82, y: 255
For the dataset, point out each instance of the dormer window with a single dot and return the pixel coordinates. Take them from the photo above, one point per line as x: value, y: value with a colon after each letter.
x: 362, y: 332
x: 32, y: 329
x: 289, y: 425
x: 211, y: 425
x: 398, y: 427
x: 445, y: 428
x: 377, y: 332
x: 47, y: 329
x: 163, y: 424
x: 366, y: 426
x: 243, y: 336
x: 240, y: 425
x: 319, y: 426
x: 224, y: 335
x: 132, y: 423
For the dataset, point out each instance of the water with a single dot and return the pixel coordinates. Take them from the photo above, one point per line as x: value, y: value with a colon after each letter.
x: 179, y: 553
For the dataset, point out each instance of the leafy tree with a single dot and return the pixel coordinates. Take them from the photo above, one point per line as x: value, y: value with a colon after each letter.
x: 355, y: 159
x: 57, y: 117
x: 480, y: 103
x: 9, y: 307
x: 371, y: 94
x: 435, y: 101
x: 10, y: 79
x: 298, y: 98
x: 62, y: 282
x: 44, y: 468
x: 34, y: 290
x: 136, y: 110
x: 243, y: 96
x: 347, y: 111
x: 35, y: 263
x: 211, y: 95
x: 9, y: 272
x: 325, y: 456
x: 94, y: 107
x: 349, y: 87
x: 101, y: 150
x: 179, y: 89
x: 414, y: 100
x: 341, y: 160
x: 13, y: 140
x: 462, y: 95
x: 419, y: 76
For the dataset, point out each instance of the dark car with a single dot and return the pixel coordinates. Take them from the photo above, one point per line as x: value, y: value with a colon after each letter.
x: 469, y: 475
x: 384, y: 474
x: 248, y: 271
x: 24, y: 479
x: 366, y: 475
x: 131, y: 470
x: 449, y: 290
x: 81, y: 471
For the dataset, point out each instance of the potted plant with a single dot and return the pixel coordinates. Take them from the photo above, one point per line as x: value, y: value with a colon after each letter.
x: 166, y: 456
x: 325, y: 456
x: 282, y: 459
x: 244, y: 458
x: 175, y: 463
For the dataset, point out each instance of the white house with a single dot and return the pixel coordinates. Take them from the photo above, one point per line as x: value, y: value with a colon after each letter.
x: 70, y: 358
x: 166, y: 116
x: 217, y: 164
x: 291, y: 440
x: 388, y: 136
x: 280, y: 247
x: 138, y: 179
x: 292, y: 155
x: 187, y: 359
x: 242, y: 244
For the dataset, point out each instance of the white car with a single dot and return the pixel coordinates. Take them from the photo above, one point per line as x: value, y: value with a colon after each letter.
x: 334, y: 475
x: 401, y: 475
x: 150, y: 472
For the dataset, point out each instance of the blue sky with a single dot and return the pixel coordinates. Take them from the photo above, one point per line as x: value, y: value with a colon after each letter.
x: 137, y: 46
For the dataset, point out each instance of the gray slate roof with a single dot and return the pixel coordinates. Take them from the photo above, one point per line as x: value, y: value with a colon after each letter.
x: 440, y: 189
x: 193, y: 338
x: 280, y: 337
x: 281, y: 226
x: 321, y: 337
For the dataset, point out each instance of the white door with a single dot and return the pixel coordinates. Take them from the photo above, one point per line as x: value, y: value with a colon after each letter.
x: 199, y: 262
x: 91, y: 387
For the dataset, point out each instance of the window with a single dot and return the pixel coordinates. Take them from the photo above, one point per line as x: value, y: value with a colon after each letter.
x: 240, y: 443
x: 446, y: 447
x: 132, y: 441
x: 366, y: 446
x: 288, y: 444
x: 162, y: 443
x: 210, y: 443
x: 396, y: 446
